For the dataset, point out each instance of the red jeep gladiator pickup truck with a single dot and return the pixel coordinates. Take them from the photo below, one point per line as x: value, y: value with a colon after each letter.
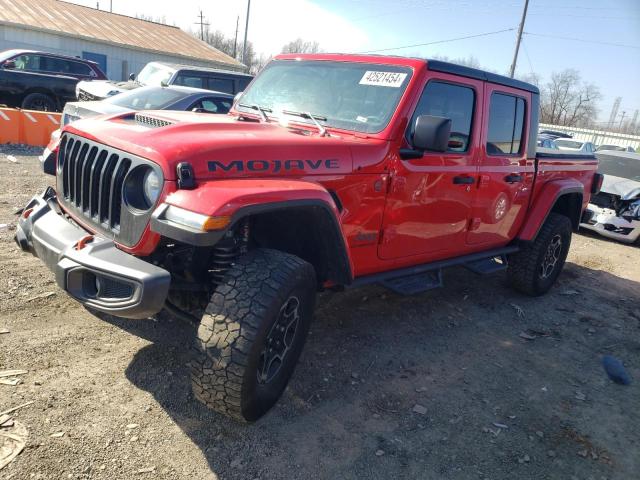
x: 331, y: 171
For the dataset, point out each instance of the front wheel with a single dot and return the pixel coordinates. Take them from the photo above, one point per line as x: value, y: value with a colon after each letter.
x: 39, y: 101
x: 535, y: 268
x: 252, y: 333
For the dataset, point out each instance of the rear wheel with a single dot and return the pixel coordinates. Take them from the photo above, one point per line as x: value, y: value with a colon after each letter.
x: 39, y: 101
x: 252, y: 333
x: 535, y: 268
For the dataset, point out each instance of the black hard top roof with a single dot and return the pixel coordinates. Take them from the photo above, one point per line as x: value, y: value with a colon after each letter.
x: 454, y: 69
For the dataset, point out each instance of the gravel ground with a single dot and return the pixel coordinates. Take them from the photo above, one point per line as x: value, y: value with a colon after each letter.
x: 470, y: 381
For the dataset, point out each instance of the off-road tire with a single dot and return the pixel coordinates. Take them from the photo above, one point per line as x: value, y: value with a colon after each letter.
x: 524, y: 272
x: 39, y: 101
x: 238, y: 322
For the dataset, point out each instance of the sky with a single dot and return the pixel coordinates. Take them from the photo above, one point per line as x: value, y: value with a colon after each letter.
x: 601, y: 38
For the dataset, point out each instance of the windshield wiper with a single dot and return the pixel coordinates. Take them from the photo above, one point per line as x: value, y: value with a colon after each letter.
x: 310, y: 116
x: 262, y: 110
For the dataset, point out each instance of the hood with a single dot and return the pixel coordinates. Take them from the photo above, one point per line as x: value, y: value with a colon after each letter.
x: 106, y: 88
x: 220, y: 146
x: 92, y: 109
x: 625, y: 188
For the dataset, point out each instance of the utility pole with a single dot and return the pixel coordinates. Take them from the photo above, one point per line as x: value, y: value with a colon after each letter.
x: 520, y: 28
x: 235, y: 42
x: 246, y: 31
x: 614, y: 112
x: 622, y: 120
x: 202, y: 24
x: 111, y: 6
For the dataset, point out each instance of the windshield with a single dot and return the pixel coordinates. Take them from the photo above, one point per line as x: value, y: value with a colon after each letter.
x: 619, y: 166
x: 352, y: 96
x: 147, y: 98
x: 568, y: 143
x: 154, y: 74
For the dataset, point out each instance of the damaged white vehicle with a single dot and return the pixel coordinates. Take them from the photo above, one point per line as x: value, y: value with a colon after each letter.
x: 615, y: 211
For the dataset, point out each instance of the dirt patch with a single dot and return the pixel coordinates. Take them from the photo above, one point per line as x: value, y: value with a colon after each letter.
x: 112, y: 398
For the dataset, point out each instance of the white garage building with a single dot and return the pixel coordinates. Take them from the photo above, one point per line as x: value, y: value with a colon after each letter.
x: 119, y: 44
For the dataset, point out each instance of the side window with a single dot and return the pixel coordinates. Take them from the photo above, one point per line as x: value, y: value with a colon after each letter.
x: 190, y: 81
x: 212, y: 105
x: 78, y: 68
x: 451, y: 101
x: 55, y: 65
x: 223, y: 85
x: 28, y: 62
x: 506, y: 120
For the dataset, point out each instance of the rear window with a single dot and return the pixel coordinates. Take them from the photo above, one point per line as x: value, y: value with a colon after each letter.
x: 568, y: 143
x: 506, y: 121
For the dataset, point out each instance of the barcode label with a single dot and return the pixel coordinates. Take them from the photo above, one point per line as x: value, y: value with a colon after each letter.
x: 383, y: 79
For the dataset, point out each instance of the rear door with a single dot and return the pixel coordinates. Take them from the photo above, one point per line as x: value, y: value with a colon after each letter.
x: 430, y: 198
x: 506, y: 175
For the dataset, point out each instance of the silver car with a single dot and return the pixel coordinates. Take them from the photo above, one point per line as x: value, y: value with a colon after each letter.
x: 615, y: 211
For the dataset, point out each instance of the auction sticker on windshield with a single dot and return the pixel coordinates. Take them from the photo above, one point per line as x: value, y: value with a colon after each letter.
x: 383, y: 79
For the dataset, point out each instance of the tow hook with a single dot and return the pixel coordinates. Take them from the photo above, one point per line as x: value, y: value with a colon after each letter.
x: 83, y: 242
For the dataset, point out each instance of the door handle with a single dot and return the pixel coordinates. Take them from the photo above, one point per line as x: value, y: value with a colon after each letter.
x: 463, y: 180
x: 513, y: 178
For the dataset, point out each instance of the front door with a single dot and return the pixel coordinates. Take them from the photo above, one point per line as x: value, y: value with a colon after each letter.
x: 506, y: 175
x: 430, y: 198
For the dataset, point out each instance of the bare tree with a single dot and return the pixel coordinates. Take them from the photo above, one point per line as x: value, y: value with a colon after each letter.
x: 150, y: 18
x: 567, y: 100
x: 301, y: 46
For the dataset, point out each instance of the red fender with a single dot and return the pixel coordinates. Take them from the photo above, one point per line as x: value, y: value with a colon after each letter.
x: 238, y: 198
x: 543, y: 204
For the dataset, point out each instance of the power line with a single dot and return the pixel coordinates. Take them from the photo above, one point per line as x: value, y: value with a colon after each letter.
x: 582, y: 40
x: 524, y: 48
x: 441, y: 41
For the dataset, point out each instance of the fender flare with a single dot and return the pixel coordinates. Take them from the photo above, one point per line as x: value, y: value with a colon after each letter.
x: 545, y: 201
x: 241, y: 198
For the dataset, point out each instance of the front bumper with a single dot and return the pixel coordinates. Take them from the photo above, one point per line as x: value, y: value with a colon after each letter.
x: 95, y: 273
x: 608, y: 224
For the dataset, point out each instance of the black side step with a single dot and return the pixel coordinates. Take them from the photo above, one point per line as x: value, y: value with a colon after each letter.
x: 399, y: 280
x: 414, y: 284
x: 487, y: 266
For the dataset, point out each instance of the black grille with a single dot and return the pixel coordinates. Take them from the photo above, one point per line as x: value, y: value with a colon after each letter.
x: 113, y: 289
x: 151, y: 121
x: 90, y: 179
x: 86, y: 96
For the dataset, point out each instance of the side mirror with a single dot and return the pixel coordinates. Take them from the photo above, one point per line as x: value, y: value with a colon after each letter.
x: 432, y: 133
x: 9, y: 64
x: 132, y: 77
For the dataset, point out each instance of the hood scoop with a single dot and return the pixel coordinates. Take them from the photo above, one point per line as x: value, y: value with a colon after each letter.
x: 150, y: 121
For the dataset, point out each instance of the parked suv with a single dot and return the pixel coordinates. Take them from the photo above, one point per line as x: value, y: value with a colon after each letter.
x: 330, y: 172
x: 42, y: 81
x: 163, y: 74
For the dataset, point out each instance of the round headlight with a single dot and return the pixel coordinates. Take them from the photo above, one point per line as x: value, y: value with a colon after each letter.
x: 151, y: 187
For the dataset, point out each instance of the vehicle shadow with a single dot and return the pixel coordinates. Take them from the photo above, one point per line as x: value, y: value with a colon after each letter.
x: 371, y: 351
